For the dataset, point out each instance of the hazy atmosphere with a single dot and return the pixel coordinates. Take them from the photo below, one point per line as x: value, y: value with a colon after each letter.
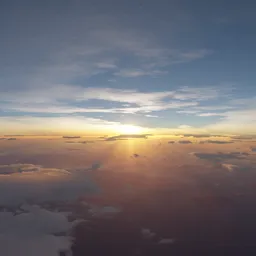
x: 127, y: 128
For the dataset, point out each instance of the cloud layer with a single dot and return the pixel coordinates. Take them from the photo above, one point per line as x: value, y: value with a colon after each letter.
x: 32, y: 232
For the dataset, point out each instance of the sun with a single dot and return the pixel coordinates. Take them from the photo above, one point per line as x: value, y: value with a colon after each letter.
x: 130, y: 129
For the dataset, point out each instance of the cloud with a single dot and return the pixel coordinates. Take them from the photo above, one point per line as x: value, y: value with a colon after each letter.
x: 71, y: 137
x: 41, y: 184
x: 201, y: 93
x: 64, y: 58
x: 197, y: 135
x: 131, y: 73
x: 200, y: 110
x: 112, y: 80
x: 29, y: 168
x: 95, y: 166
x: 32, y: 232
x: 98, y: 211
x: 128, y: 136
x: 210, y: 114
x: 166, y: 241
x: 52, y: 99
x: 217, y: 141
x: 185, y: 142
x: 197, y: 54
x: 138, y: 72
x: 152, y: 116
x: 230, y: 167
x: 229, y: 122
x: 253, y: 149
x: 243, y: 137
x: 187, y: 111
x: 184, y: 126
x: 218, y: 157
x: 147, y: 233
x: 86, y: 141
x: 171, y: 142
x: 234, y: 167
x: 106, y: 65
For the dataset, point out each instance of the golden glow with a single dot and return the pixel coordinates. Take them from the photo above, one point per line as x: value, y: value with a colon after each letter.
x: 130, y: 129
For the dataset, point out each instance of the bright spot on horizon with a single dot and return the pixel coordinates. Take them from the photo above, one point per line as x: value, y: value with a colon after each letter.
x: 130, y: 129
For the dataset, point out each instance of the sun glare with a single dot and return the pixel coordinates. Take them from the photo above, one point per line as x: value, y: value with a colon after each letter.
x: 130, y: 129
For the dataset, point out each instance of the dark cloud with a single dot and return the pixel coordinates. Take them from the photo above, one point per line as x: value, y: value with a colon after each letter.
x: 81, y: 142
x: 196, y: 135
x: 95, y: 166
x: 244, y: 137
x: 216, y: 142
x: 201, y: 135
x: 11, y: 139
x: 219, y: 156
x: 17, y: 135
x: 185, y: 142
x: 97, y: 211
x: 253, y: 149
x: 86, y: 141
x: 128, y: 136
x: 103, y: 137
x: 240, y: 153
x: 71, y: 137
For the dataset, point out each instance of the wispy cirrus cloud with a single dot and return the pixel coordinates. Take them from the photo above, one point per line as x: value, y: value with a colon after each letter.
x: 37, y: 100
x: 138, y: 72
x: 236, y: 122
x: 209, y: 114
x: 100, y: 48
x: 63, y: 98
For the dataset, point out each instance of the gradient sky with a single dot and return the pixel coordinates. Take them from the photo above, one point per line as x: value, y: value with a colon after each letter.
x: 73, y: 65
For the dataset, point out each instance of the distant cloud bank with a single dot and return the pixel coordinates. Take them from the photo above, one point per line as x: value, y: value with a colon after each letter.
x: 128, y: 136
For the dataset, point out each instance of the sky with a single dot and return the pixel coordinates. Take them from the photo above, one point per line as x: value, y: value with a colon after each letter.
x: 101, y: 66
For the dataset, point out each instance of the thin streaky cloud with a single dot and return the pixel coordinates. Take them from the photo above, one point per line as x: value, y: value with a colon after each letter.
x: 211, y: 114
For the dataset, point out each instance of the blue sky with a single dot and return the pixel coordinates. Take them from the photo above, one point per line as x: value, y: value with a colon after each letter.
x: 173, y: 66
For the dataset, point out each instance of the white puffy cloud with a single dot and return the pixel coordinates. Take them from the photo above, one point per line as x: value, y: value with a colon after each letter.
x: 32, y: 232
